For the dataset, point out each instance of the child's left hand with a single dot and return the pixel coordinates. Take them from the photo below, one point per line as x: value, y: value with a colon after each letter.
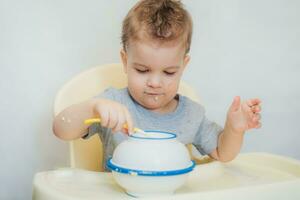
x: 243, y: 116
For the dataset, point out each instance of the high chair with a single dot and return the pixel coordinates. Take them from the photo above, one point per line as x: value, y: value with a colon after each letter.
x: 87, y: 154
x: 257, y: 176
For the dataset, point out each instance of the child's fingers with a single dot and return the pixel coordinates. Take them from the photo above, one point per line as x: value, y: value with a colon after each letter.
x: 128, y: 120
x: 235, y: 105
x: 104, y: 115
x: 113, y: 119
x: 258, y: 125
x: 253, y: 102
x: 115, y: 116
x: 256, y: 117
x: 256, y: 108
x: 255, y: 121
x: 252, y: 119
x: 121, y: 121
x: 246, y: 108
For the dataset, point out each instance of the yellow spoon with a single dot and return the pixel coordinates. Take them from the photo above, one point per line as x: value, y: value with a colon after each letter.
x: 98, y: 120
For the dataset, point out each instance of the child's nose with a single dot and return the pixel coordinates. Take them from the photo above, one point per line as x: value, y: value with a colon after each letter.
x: 154, y: 81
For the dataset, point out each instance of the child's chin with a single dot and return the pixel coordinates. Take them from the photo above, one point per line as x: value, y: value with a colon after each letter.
x: 152, y: 105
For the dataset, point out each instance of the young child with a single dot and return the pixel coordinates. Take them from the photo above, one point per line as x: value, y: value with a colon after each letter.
x: 156, y: 39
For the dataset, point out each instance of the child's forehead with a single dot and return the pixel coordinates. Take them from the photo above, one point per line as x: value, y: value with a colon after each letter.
x: 158, y: 56
x: 154, y: 49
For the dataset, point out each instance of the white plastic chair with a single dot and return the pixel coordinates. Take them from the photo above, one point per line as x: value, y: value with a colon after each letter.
x: 87, y: 154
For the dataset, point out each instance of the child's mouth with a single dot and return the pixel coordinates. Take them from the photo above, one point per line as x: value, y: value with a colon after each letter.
x: 155, y: 96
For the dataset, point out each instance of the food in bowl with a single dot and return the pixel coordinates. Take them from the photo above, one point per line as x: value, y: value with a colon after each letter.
x: 151, y: 164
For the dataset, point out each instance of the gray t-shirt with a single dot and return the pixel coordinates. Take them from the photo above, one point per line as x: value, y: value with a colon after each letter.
x: 188, y: 122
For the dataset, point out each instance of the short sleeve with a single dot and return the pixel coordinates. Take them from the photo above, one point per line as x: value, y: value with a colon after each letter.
x: 206, y: 139
x: 109, y: 93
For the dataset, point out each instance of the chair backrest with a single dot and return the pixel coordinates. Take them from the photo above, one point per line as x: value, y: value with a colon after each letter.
x: 87, y: 154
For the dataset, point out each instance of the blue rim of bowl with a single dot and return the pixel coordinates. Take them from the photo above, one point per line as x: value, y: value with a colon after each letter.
x: 136, y: 172
x: 171, y: 135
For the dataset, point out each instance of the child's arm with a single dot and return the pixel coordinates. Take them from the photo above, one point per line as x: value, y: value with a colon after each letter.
x: 240, y: 117
x: 68, y: 124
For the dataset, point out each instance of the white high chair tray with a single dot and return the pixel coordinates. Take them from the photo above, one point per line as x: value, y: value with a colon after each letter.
x: 249, y: 176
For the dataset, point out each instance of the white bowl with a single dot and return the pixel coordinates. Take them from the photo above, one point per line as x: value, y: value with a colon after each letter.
x: 152, y: 164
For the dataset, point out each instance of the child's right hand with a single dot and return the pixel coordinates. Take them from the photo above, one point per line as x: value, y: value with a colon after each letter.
x: 113, y: 115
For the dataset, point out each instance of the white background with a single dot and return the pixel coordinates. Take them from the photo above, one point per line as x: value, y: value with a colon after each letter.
x: 246, y: 48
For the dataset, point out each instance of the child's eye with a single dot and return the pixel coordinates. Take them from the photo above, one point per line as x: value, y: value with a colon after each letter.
x: 142, y: 70
x: 169, y: 73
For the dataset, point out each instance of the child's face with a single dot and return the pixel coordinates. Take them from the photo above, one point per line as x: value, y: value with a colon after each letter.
x: 154, y: 72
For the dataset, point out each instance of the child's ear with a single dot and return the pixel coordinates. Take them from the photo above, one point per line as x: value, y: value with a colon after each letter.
x: 186, y: 60
x: 123, y: 55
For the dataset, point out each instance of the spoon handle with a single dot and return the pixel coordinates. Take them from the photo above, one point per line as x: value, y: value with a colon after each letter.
x: 98, y: 120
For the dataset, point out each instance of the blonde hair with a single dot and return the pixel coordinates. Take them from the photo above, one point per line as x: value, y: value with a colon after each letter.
x: 163, y: 20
